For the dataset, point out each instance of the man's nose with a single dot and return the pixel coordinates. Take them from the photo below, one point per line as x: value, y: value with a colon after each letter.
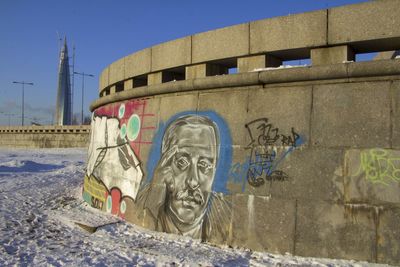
x: 192, y: 180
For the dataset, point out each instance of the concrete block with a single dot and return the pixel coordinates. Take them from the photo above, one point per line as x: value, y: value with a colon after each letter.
x: 221, y: 43
x: 395, y: 90
x: 366, y: 21
x: 138, y: 63
x: 128, y: 84
x: 284, y: 107
x: 113, y: 89
x: 203, y: 70
x: 389, y: 237
x: 289, y: 32
x: 246, y: 64
x: 172, y: 105
x: 314, y: 174
x: 263, y: 224
x: 332, y: 55
x: 171, y: 54
x: 351, y: 115
x: 117, y: 71
x: 154, y: 78
x: 333, y: 231
x: 103, y: 80
x: 233, y: 110
x: 372, y: 176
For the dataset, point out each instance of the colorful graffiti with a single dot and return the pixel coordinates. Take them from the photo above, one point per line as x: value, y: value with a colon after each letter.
x: 114, y: 173
x: 380, y: 166
x: 187, y: 169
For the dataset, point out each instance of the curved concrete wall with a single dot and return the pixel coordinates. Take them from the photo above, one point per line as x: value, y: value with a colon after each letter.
x: 302, y: 160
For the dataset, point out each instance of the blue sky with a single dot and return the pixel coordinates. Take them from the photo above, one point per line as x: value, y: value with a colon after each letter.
x: 102, y: 32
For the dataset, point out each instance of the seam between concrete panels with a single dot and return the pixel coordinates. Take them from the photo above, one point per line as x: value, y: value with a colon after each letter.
x: 311, y: 118
x: 391, y: 115
x: 295, y: 228
x: 191, y: 52
x: 327, y: 28
x: 248, y: 41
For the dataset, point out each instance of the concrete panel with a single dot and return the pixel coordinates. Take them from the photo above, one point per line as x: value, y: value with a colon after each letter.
x: 333, y: 231
x: 372, y: 176
x: 331, y: 55
x: 154, y: 78
x: 203, y: 70
x: 171, y: 54
x: 389, y: 237
x: 264, y: 224
x: 103, y: 80
x: 230, y: 105
x: 172, y: 105
x: 289, y: 32
x: 138, y: 63
x: 351, y: 115
x: 366, y: 21
x: 246, y: 64
x: 313, y: 174
x: 396, y: 114
x: 117, y: 70
x: 284, y: 107
x: 128, y: 84
x: 218, y: 44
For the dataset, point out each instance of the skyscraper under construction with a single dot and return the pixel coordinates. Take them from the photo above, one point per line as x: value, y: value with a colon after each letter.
x: 64, y: 96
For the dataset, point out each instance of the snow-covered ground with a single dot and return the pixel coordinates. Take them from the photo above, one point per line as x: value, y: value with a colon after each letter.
x: 41, y: 207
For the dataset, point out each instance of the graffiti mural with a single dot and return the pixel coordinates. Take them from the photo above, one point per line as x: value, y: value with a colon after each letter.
x: 180, y: 198
x: 114, y: 174
x: 379, y: 166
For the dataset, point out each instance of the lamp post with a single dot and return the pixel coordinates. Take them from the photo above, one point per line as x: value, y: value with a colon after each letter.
x: 23, y: 103
x: 83, y: 86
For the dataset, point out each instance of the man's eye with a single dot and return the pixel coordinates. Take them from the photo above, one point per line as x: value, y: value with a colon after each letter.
x: 182, y: 163
x: 204, y: 166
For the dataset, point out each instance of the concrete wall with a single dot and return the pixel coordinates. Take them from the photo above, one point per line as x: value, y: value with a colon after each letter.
x: 44, y: 136
x: 302, y: 160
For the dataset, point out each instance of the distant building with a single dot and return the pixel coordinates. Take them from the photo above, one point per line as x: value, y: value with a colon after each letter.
x: 64, y: 101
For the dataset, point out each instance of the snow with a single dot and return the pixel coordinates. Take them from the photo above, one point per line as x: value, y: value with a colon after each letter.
x: 41, y: 209
x: 280, y: 67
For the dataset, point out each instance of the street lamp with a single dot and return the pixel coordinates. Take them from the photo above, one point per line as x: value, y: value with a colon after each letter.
x: 23, y: 103
x: 83, y: 86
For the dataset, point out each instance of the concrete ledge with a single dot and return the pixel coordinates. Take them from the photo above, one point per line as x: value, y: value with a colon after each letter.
x: 272, y: 76
x: 365, y: 27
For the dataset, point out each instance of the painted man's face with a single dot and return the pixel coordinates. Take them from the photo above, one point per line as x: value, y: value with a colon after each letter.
x: 193, y: 167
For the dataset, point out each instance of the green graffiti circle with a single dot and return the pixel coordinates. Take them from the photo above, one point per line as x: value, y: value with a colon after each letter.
x: 123, y: 131
x: 133, y: 127
x: 121, y: 111
x: 109, y: 204
x: 122, y: 207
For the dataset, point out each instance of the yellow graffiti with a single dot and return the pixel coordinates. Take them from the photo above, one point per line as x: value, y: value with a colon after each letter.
x: 379, y: 166
x: 94, y: 188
